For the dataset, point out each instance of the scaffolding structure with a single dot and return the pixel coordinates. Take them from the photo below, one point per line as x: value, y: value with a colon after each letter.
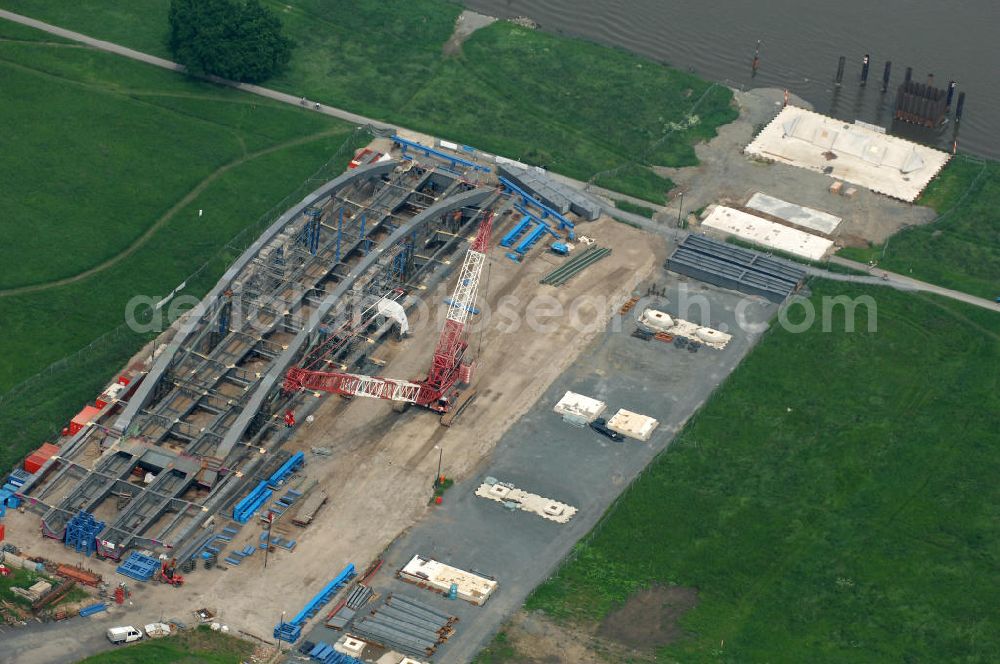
x: 211, y: 400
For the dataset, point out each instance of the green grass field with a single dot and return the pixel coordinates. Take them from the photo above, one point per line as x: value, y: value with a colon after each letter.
x: 852, y: 518
x: 109, y: 165
x: 572, y: 106
x: 641, y: 210
x: 197, y: 646
x: 23, y: 578
x: 961, y: 249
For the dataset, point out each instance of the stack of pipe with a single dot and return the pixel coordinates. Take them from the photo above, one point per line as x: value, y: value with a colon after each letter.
x: 406, y: 625
x: 575, y: 265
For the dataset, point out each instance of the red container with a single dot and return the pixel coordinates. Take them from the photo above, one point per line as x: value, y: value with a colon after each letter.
x: 48, y: 450
x: 33, y: 462
x: 83, y: 418
x: 1, y: 532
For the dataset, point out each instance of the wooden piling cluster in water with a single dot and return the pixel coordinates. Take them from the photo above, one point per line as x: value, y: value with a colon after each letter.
x: 916, y: 103
x: 921, y: 104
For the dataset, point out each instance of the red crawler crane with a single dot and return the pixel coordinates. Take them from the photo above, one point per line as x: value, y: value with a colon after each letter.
x: 432, y: 392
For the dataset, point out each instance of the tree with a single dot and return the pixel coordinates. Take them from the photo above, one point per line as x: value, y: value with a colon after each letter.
x: 235, y: 39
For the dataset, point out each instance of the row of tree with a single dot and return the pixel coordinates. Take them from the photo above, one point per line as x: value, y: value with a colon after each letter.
x: 236, y: 39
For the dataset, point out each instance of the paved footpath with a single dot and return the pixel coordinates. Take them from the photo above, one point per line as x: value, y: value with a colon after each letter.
x: 118, y: 49
x: 893, y: 280
x: 874, y: 277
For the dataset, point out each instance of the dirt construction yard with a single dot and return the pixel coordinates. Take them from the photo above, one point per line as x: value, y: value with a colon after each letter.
x: 382, y: 465
x: 380, y: 475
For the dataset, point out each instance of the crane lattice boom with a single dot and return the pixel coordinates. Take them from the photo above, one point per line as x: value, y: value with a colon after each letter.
x: 355, y: 385
x: 448, y: 354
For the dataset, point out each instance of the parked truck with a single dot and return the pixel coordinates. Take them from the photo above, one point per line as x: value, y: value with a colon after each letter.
x: 126, y: 634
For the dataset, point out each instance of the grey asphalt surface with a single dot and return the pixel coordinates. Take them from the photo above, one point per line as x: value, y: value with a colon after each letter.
x: 59, y: 643
x: 74, y: 639
x: 544, y: 455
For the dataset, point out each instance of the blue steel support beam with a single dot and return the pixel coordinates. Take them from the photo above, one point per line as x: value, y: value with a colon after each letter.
x: 312, y: 233
x: 224, y: 317
x: 468, y: 307
x: 144, y: 393
x: 429, y: 151
x: 530, y: 239
x: 528, y: 198
x: 340, y: 231
x: 516, y: 231
x: 548, y: 229
x: 272, y: 379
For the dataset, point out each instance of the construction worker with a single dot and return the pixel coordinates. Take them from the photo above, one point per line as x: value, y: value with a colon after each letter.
x: 289, y: 419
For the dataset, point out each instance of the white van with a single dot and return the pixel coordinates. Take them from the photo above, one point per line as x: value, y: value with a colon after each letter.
x: 127, y: 634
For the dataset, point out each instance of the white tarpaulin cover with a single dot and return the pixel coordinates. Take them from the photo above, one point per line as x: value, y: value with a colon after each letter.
x: 393, y: 311
x: 578, y: 406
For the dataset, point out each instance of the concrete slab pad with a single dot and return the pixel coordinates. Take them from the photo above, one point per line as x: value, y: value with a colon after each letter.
x: 633, y: 425
x: 885, y: 164
x: 799, y: 215
x: 579, y: 408
x: 425, y: 571
x: 579, y: 466
x: 767, y: 233
x: 505, y: 493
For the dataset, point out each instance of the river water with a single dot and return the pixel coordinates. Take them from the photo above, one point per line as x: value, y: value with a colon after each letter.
x: 801, y: 41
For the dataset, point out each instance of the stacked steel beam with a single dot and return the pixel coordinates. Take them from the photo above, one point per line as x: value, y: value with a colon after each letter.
x: 575, y: 265
x: 290, y: 631
x: 406, y: 625
x: 345, y: 612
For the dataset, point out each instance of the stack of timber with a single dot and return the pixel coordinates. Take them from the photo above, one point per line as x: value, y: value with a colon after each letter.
x: 311, y: 505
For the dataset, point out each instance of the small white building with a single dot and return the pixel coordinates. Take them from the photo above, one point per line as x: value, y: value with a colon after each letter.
x: 633, y: 425
x: 439, y: 576
x: 579, y: 409
x: 767, y: 233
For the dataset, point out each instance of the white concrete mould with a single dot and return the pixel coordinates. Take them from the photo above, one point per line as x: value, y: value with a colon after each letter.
x: 505, y: 493
x: 885, y: 164
x: 767, y: 233
x: 350, y: 646
x: 579, y: 408
x: 633, y: 425
x: 655, y: 321
x: 472, y: 587
x: 804, y: 217
x: 394, y: 311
